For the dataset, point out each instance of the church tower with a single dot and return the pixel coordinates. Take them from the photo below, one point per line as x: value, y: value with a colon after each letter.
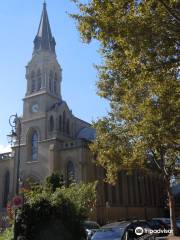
x: 43, y: 72
x: 49, y: 128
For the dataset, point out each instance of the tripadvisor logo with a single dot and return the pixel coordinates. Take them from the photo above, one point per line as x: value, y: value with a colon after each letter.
x: 139, y: 231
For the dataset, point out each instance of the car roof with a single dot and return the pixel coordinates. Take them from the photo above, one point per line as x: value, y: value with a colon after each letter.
x: 117, y: 224
x: 122, y: 224
x: 88, y: 221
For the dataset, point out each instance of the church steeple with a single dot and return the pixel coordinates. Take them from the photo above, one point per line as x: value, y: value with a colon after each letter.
x: 44, y: 39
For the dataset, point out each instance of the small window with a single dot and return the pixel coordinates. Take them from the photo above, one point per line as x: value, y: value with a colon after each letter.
x: 68, y: 127
x: 55, y: 83
x: 51, y: 123
x: 55, y: 86
x: 70, y: 173
x: 39, y: 81
x: 64, y: 121
x: 34, y: 146
x: 51, y: 81
x: 33, y: 82
x: 60, y: 123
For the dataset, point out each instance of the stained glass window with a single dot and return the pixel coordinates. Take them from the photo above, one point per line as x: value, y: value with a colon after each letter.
x: 34, y: 144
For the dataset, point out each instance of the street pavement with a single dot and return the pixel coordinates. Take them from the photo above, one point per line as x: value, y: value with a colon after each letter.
x: 173, y: 238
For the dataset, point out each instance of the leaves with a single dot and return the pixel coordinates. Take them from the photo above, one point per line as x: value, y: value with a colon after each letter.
x: 45, y: 207
x: 140, y: 46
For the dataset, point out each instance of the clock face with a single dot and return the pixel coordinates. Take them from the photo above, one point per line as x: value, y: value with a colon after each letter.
x: 35, y: 108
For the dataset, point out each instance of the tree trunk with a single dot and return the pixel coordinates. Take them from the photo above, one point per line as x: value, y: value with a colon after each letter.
x: 171, y: 208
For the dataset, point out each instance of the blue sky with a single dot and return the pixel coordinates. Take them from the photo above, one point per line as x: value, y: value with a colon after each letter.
x: 19, y: 22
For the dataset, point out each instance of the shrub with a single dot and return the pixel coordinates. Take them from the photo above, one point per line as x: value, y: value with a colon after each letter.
x: 7, y: 235
x: 57, y: 212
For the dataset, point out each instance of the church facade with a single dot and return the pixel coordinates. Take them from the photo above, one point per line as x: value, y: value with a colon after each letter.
x: 53, y: 139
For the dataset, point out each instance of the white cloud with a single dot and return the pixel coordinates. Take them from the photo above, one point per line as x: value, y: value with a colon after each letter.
x: 4, y: 149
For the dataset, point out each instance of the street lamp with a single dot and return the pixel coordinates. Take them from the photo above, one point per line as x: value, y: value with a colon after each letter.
x: 15, y: 139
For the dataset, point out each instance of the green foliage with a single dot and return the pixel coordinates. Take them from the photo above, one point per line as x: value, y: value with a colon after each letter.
x: 7, y: 235
x: 61, y: 212
x: 140, y: 47
x: 82, y: 195
x: 54, y: 181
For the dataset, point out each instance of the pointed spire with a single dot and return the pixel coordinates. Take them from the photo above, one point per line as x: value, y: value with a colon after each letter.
x: 44, y: 39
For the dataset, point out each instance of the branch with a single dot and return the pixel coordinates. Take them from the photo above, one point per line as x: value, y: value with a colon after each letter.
x: 170, y: 11
x: 166, y: 173
x: 154, y: 159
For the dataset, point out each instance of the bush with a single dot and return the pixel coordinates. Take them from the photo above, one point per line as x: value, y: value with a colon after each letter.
x: 59, y: 213
x: 7, y: 235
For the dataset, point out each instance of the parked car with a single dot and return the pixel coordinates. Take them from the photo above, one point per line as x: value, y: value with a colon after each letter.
x: 178, y: 222
x: 167, y: 222
x: 164, y: 220
x: 121, y: 231
x: 158, y: 224
x: 91, y: 227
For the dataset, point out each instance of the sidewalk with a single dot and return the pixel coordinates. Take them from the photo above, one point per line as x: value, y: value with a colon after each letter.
x: 173, y: 238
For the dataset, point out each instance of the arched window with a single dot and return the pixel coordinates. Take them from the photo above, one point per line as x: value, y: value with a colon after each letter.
x: 68, y: 127
x: 6, y: 188
x: 64, y: 121
x: 34, y: 146
x: 51, y: 81
x: 70, y: 173
x: 33, y: 82
x: 55, y: 83
x: 39, y: 80
x: 60, y: 123
x: 51, y: 124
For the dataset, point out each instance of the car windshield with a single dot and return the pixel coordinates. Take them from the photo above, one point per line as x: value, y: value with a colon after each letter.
x: 108, y: 234
x: 91, y: 225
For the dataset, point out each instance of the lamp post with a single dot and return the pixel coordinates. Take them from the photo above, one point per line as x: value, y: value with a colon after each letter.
x: 15, y: 139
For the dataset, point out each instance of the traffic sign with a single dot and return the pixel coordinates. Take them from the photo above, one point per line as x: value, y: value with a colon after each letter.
x: 17, y: 202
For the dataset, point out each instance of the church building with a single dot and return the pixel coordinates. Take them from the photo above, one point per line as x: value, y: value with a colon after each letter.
x: 53, y: 139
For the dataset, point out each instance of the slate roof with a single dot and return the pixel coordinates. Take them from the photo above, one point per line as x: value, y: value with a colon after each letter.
x: 87, y: 133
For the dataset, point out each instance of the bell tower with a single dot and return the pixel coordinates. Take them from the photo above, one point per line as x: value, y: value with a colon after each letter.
x: 43, y: 72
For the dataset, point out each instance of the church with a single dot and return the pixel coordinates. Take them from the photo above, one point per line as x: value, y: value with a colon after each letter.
x: 53, y: 139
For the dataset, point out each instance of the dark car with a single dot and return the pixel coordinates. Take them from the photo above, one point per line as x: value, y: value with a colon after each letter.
x: 122, y: 230
x: 164, y: 220
x: 158, y: 224
x: 91, y: 227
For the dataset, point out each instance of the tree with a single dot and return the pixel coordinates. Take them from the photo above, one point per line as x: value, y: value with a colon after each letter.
x: 140, y: 45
